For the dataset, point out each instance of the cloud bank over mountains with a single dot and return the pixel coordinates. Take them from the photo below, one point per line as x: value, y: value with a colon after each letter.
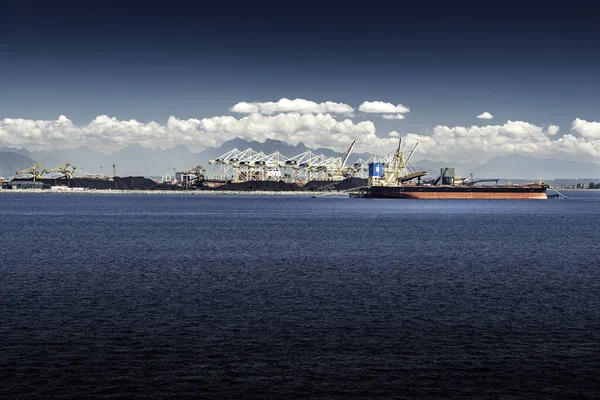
x: 109, y: 134
x: 327, y: 124
x: 513, y: 137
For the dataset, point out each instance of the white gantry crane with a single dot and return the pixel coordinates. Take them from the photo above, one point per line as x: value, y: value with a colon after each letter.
x: 250, y: 165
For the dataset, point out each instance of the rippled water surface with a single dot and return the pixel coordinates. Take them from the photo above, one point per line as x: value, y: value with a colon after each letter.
x: 279, y: 297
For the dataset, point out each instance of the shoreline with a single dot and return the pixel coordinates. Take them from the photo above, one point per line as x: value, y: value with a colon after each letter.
x: 175, y: 192
x: 198, y: 192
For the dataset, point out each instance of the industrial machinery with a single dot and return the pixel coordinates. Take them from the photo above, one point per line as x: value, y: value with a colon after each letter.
x: 68, y: 170
x: 394, y: 169
x: 36, y: 171
x: 250, y: 165
x: 198, y: 171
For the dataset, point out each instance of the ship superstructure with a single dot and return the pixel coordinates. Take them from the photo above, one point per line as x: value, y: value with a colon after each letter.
x: 393, y: 177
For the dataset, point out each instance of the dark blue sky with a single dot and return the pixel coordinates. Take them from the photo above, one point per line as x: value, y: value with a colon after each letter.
x: 448, y: 62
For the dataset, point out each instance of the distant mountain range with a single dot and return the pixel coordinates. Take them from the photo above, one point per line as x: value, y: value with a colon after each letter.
x: 517, y: 166
x: 136, y: 160
x: 133, y: 160
x: 12, y: 162
x: 271, y: 146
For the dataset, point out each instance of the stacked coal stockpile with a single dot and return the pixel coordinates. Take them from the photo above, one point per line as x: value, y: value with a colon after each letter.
x: 318, y: 185
x: 120, y: 183
x: 271, y: 186
x: 351, y: 183
x: 31, y: 180
x: 134, y: 182
x: 346, y: 184
x: 88, y: 183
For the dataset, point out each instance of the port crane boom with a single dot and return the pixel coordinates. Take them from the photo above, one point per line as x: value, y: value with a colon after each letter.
x: 345, y: 159
x: 68, y: 170
x: 397, y: 170
x: 36, y: 171
x: 412, y: 151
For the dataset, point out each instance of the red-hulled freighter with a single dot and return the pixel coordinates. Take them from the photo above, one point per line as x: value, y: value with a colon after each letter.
x: 393, y: 178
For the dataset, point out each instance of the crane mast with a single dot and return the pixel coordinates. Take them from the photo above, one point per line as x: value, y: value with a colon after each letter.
x: 396, y: 171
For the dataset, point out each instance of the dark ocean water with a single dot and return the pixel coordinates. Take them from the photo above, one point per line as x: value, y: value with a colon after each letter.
x: 163, y: 296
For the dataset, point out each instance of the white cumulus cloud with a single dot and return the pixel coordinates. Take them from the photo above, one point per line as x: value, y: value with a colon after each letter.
x: 392, y: 116
x: 485, y: 115
x: 286, y: 106
x: 245, y: 108
x: 588, y: 130
x: 382, y: 107
x: 324, y: 124
x: 109, y: 134
x: 553, y: 130
x: 478, y: 143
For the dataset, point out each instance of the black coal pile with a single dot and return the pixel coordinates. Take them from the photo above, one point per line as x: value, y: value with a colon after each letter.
x: 352, y: 183
x: 118, y: 183
x: 346, y: 184
x: 274, y: 186
x: 134, y: 182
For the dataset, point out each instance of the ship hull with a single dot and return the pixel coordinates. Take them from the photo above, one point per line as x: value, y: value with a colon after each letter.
x: 530, y: 192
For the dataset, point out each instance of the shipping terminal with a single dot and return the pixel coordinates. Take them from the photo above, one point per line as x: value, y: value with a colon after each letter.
x: 390, y: 176
x: 396, y: 179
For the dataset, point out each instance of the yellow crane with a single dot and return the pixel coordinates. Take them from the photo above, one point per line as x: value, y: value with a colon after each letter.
x: 36, y: 171
x: 68, y: 170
